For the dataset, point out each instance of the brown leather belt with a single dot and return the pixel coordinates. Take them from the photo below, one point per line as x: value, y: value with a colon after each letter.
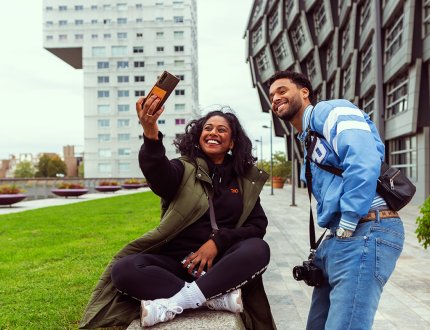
x: 383, y: 214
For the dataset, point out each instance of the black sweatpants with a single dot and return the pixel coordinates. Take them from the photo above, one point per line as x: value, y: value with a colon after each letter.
x: 153, y: 276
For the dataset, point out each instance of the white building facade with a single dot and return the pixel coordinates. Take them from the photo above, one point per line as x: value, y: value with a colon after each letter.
x: 123, y: 46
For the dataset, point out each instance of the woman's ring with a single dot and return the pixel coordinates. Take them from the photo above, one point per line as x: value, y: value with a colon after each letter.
x: 149, y: 115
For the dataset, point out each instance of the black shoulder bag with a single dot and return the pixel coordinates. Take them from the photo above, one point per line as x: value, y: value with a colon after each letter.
x: 393, y: 185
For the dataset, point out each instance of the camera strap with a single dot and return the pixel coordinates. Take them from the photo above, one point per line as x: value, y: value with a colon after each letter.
x: 310, y: 142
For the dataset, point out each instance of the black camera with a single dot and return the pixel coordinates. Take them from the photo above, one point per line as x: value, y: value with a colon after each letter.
x: 309, y: 273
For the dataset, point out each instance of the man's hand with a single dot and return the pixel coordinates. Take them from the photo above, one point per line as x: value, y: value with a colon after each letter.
x: 203, y: 257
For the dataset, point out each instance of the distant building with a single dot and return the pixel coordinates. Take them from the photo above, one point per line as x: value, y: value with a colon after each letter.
x: 72, y: 161
x: 374, y: 53
x: 123, y: 47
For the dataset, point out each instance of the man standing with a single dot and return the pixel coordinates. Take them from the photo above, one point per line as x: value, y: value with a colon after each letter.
x: 366, y: 238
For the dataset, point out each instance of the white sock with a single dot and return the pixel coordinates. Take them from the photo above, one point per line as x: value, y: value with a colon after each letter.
x: 189, y: 296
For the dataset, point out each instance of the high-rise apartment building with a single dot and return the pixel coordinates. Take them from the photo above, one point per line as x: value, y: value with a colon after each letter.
x: 375, y: 53
x: 123, y: 46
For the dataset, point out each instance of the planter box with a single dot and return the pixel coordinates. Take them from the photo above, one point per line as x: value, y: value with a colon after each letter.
x: 133, y: 185
x: 69, y: 192
x: 107, y: 188
x: 9, y: 199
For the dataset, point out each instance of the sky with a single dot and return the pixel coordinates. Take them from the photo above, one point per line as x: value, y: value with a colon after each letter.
x: 42, y: 96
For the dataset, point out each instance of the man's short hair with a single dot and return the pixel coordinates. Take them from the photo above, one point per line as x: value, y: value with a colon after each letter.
x: 296, y: 78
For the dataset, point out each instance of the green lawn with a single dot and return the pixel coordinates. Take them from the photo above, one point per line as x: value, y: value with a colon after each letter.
x: 51, y: 258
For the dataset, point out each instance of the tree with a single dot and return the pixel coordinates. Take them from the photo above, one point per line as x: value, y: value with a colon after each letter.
x: 281, y: 166
x: 24, y: 169
x: 50, y: 166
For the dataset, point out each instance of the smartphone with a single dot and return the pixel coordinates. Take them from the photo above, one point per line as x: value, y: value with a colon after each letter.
x: 164, y: 87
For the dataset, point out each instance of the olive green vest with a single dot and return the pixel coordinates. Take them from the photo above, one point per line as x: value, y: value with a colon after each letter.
x: 107, y: 307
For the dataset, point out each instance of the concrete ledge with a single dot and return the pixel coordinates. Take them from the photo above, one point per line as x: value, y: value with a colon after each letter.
x: 198, y: 319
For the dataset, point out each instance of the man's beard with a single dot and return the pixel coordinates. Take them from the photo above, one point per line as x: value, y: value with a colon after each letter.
x: 293, y: 108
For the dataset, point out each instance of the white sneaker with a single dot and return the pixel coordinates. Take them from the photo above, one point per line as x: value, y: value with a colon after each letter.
x: 156, y: 311
x: 231, y: 302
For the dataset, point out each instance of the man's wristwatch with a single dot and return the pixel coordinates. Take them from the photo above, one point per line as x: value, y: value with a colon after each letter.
x: 343, y: 233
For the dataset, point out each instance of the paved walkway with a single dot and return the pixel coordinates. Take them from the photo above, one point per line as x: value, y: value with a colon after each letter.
x: 405, y: 303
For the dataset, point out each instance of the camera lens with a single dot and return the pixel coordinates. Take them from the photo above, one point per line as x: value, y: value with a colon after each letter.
x: 299, y: 273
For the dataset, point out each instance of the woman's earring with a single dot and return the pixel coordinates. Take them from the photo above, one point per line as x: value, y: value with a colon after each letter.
x: 230, y: 151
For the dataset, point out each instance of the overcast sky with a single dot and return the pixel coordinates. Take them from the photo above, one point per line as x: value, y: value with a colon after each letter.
x: 42, y: 96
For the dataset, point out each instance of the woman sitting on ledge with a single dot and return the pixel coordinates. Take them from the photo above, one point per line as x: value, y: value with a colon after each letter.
x: 208, y: 249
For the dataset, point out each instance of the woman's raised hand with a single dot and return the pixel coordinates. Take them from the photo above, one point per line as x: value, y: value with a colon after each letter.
x: 148, y: 116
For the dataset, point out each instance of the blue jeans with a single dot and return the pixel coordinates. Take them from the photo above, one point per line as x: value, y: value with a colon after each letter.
x: 357, y: 269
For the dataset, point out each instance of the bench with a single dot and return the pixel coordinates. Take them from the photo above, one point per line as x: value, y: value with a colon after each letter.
x: 198, y: 319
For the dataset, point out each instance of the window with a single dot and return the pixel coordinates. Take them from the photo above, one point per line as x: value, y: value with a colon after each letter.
x: 257, y: 35
x: 79, y: 36
x: 79, y: 21
x: 123, y: 122
x: 179, y: 62
x: 160, y: 63
x: 62, y: 8
x: 79, y: 7
x: 180, y: 92
x: 397, y: 95
x: 178, y: 3
x: 262, y: 61
x: 180, y: 121
x: 345, y: 38
x: 320, y: 17
x: 178, y: 19
x: 273, y: 21
x: 106, y: 21
x: 331, y: 89
x: 101, y: 94
x: 105, y: 153
x: 179, y: 48
x: 310, y: 67
x: 347, y: 78
x: 104, y: 168
x: 48, y: 8
x: 138, y: 6
x: 279, y: 49
x: 94, y: 21
x: 298, y: 36
x: 139, y: 93
x: 99, y: 51
x: 103, y: 137
x: 123, y: 137
x: 159, y: 35
x: 107, y: 36
x: 121, y: 6
x: 289, y: 5
x: 403, y: 155
x: 139, y: 35
x: 103, y: 108
x: 137, y: 50
x: 93, y: 7
x: 107, y: 7
x: 62, y: 23
x: 124, y: 167
x: 179, y: 106
x: 122, y: 64
x: 94, y: 36
x: 103, y: 79
x: 123, y: 79
x: 181, y: 76
x: 121, y: 20
x: 364, y: 14
x: 160, y: 49
x: 426, y: 19
x: 123, y: 93
x: 139, y: 78
x: 139, y: 20
x: 159, y: 19
x: 139, y: 64
x: 49, y: 23
x: 393, y: 37
x: 366, y: 60
x: 330, y: 55
x: 103, y: 65
x: 119, y: 50
x: 101, y: 123
x: 50, y: 37
x: 161, y: 121
x: 62, y: 37
x: 123, y: 107
x: 124, y: 152
x: 369, y: 104
x: 122, y: 35
x: 178, y: 34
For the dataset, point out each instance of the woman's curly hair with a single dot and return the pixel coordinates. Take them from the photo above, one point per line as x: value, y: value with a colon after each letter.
x: 188, y: 143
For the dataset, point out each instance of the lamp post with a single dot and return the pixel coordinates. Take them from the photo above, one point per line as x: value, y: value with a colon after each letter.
x: 271, y: 157
x: 261, y: 150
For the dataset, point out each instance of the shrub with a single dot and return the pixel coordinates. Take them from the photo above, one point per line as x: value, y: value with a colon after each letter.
x: 66, y: 185
x: 133, y: 181
x: 10, y: 189
x: 423, y: 230
x: 108, y: 183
